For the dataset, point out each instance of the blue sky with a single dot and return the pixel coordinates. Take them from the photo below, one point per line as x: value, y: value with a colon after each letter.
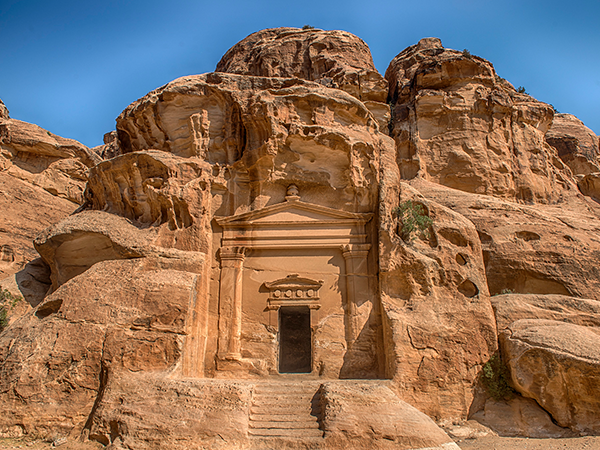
x: 73, y: 66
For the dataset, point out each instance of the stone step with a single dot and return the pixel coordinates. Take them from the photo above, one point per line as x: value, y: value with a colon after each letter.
x: 284, y: 401
x: 285, y: 389
x: 274, y: 425
x: 289, y: 433
x: 283, y: 409
x: 282, y: 417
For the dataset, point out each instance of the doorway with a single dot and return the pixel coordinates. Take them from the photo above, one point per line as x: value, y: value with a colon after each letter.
x: 295, y: 340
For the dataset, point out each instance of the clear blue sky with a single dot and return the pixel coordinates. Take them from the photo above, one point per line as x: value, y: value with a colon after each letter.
x: 73, y: 66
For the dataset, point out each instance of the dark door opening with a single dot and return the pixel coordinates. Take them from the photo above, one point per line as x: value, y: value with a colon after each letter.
x: 295, y: 341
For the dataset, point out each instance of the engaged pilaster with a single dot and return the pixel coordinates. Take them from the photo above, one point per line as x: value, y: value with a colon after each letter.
x: 230, y: 303
x: 357, y: 286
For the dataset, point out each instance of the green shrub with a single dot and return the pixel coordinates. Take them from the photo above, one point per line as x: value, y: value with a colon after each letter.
x: 507, y: 291
x: 412, y: 220
x: 308, y: 27
x: 494, y: 377
x: 467, y: 54
x: 521, y: 90
x: 7, y: 303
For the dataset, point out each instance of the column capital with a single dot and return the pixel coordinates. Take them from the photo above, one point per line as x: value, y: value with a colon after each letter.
x: 232, y: 253
x: 355, y: 250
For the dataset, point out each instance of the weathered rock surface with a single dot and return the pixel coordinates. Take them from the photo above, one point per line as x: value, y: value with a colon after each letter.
x: 438, y: 322
x: 3, y: 111
x: 215, y: 414
x: 42, y: 179
x: 56, y: 359
x: 519, y: 417
x: 110, y: 148
x: 558, y: 365
x: 456, y: 123
x: 369, y: 415
x: 541, y: 249
x: 576, y: 144
x: 509, y: 308
x: 335, y: 59
x: 38, y: 157
x: 590, y: 185
x: 26, y: 211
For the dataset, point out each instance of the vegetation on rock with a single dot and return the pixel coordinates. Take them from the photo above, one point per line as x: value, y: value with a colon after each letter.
x: 413, y: 220
x: 494, y: 377
x: 7, y: 303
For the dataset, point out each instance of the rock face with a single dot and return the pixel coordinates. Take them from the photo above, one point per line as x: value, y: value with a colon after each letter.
x: 334, y: 59
x: 458, y: 124
x: 256, y: 263
x: 42, y: 179
x: 541, y: 249
x: 576, y: 144
x: 3, y: 111
x: 558, y: 365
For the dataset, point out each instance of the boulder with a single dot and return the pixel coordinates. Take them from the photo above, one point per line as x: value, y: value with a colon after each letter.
x: 369, y: 415
x: 458, y: 124
x: 519, y: 416
x: 558, y: 365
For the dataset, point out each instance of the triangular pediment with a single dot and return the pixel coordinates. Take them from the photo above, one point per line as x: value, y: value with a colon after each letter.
x: 292, y: 212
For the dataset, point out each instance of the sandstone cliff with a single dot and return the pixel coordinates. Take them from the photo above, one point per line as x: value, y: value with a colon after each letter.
x: 234, y: 212
x: 43, y: 178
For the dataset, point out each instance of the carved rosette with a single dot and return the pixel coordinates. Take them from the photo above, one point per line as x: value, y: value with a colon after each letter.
x: 293, y: 291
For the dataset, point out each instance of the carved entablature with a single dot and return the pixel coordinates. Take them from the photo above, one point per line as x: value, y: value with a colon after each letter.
x: 293, y: 291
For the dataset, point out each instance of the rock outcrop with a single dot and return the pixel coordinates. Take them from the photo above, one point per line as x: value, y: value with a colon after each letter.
x: 335, y: 59
x: 42, y: 179
x: 576, y: 144
x: 251, y: 231
x: 458, y: 124
x: 541, y: 249
x: 3, y: 111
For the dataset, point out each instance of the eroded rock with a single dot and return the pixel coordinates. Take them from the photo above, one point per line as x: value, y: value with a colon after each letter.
x: 558, y: 365
x: 541, y: 249
x: 458, y: 124
x: 576, y: 144
x: 439, y: 325
x: 335, y: 59
x: 56, y: 359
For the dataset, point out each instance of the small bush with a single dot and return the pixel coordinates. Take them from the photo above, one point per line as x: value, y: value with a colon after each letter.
x: 494, y: 377
x: 467, y: 54
x: 7, y: 303
x: 412, y: 220
x: 507, y: 291
x: 521, y: 90
x: 308, y: 27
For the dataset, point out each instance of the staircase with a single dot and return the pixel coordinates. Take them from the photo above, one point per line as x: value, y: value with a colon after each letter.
x: 288, y: 410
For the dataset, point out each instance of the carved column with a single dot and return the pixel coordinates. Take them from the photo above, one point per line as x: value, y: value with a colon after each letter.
x: 357, y: 286
x: 230, y: 303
